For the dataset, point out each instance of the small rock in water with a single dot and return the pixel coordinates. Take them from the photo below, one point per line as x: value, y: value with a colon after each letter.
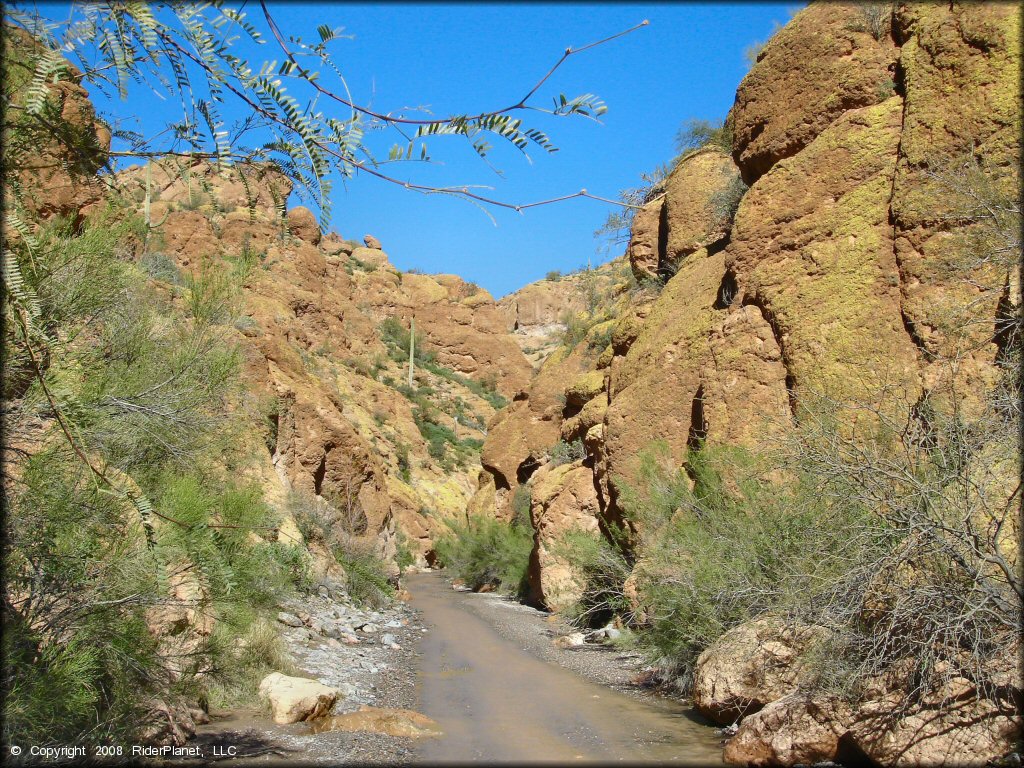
x: 403, y: 723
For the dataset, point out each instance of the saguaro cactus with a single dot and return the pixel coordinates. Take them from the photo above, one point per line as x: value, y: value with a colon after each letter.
x: 148, y: 201
x: 412, y: 349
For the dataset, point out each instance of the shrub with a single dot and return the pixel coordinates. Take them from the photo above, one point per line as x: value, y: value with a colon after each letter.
x: 246, y: 323
x: 873, y: 18
x: 403, y: 555
x: 554, y: 275
x: 602, y: 568
x: 487, y: 552
x: 576, y: 327
x: 161, y: 267
x: 314, y: 517
x: 762, y: 549
x: 753, y: 51
x: 566, y: 453
x: 617, y: 226
x: 246, y: 650
x: 396, y: 337
x: 724, y: 203
x: 404, y: 468
x: 356, y: 365
x: 213, y: 295
x: 696, y: 134
x: 366, y: 572
x: 522, y: 500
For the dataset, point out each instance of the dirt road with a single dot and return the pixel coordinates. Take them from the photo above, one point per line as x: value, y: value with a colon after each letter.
x: 497, y: 702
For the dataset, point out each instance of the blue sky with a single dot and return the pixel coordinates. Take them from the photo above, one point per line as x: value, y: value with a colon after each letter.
x: 462, y: 58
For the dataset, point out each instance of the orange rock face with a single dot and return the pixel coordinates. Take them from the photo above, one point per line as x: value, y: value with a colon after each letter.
x: 824, y: 62
x: 310, y: 334
x: 564, y: 500
x: 55, y: 177
x: 837, y: 276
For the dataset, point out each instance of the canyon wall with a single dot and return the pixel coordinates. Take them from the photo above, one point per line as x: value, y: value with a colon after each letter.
x: 860, y: 131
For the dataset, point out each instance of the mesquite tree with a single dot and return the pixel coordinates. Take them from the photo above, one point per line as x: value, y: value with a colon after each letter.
x: 297, y: 107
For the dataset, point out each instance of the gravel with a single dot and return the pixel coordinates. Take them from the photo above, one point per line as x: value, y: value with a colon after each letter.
x: 379, y: 672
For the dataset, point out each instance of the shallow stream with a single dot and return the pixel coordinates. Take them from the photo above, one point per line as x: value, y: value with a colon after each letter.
x: 497, y: 702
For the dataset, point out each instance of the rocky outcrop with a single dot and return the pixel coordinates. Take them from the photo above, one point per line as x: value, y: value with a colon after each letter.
x: 54, y: 149
x: 646, y: 248
x: 536, y: 314
x: 303, y: 225
x: 564, y: 501
x: 335, y: 425
x: 826, y: 61
x: 293, y: 699
x: 812, y: 250
x: 692, y: 212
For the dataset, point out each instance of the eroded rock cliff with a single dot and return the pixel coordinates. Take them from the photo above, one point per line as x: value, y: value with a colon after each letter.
x: 330, y: 387
x: 852, y: 131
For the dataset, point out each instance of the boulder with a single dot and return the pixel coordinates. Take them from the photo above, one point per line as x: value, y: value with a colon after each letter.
x: 293, y: 699
x: 303, y: 224
x: 372, y: 242
x: 952, y: 727
x: 574, y: 640
x: 695, y: 206
x: 796, y: 729
x: 584, y: 389
x: 751, y: 666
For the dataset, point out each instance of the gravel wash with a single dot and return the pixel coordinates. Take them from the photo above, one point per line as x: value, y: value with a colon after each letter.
x: 370, y: 655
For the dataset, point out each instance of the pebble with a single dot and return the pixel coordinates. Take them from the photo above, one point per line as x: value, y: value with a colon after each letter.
x: 388, y: 639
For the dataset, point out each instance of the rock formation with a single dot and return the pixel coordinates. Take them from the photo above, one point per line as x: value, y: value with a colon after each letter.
x: 824, y: 281
x: 335, y: 424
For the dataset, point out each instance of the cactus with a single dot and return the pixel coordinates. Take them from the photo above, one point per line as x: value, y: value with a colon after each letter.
x: 412, y: 350
x: 146, y: 204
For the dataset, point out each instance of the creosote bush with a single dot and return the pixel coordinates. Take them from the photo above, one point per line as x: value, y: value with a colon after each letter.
x: 696, y: 134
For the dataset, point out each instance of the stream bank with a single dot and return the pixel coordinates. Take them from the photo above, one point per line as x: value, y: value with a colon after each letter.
x: 484, y: 668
